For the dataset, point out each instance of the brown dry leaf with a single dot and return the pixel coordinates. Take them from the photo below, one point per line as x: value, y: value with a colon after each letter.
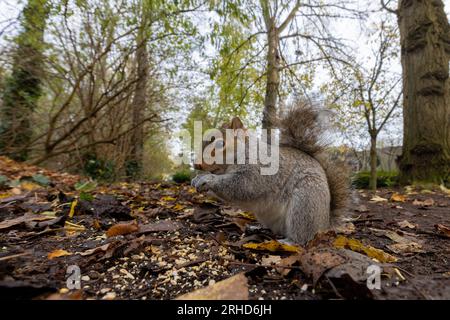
x: 288, y: 262
x: 162, y: 226
x: 234, y: 288
x: 356, y: 245
x: 346, y: 228
x: 403, y: 245
x: 273, y: 246
x: 23, y: 219
x: 397, y: 197
x: 377, y: 198
x: 405, y: 248
x: 315, y: 263
x: 95, y: 250
x: 409, y: 190
x: 444, y: 189
x: 58, y: 253
x: 426, y: 203
x: 270, y: 260
x: 406, y: 224
x: 122, y: 228
x: 443, y: 230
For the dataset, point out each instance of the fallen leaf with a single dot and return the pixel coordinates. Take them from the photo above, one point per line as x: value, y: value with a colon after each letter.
x: 178, y: 207
x: 23, y: 219
x: 58, y: 253
x: 315, y: 263
x: 346, y: 228
x: 95, y: 250
x: 248, y: 215
x: 356, y: 245
x: 397, y: 197
x: 443, y: 230
x: 406, y: 224
x: 122, y: 229
x: 72, y: 208
x: 162, y: 226
x: 168, y: 198
x: 270, y: 260
x: 273, y: 246
x: 377, y: 198
x: 405, y: 248
x: 234, y: 288
x: 426, y: 203
x: 29, y: 186
x: 444, y: 189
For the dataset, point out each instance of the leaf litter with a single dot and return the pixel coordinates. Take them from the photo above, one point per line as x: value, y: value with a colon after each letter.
x: 165, y: 241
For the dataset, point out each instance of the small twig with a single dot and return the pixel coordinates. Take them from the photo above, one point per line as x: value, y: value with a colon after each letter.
x: 14, y: 256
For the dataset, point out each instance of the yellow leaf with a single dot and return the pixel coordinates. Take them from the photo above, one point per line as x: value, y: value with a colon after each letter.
x: 356, y: 245
x: 68, y: 226
x: 29, y: 186
x: 168, y: 198
x: 72, y: 208
x: 397, y: 197
x: 247, y: 215
x: 178, y: 207
x: 273, y: 246
x: 191, y: 190
x: 58, y: 253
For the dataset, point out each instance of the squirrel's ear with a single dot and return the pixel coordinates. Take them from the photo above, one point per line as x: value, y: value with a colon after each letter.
x: 236, y: 123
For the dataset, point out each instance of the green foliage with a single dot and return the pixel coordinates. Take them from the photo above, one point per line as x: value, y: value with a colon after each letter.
x: 384, y: 179
x: 182, y: 176
x: 98, y: 169
x: 41, y: 179
x: 87, y: 186
x: 22, y: 88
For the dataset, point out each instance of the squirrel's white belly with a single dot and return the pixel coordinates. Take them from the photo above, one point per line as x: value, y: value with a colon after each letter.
x: 271, y: 215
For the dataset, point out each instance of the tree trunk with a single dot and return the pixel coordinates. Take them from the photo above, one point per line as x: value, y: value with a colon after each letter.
x: 273, y: 78
x: 23, y: 87
x: 425, y: 47
x: 373, y: 163
x: 135, y: 159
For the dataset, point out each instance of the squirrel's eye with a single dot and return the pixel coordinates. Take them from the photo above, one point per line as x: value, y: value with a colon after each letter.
x: 219, y: 144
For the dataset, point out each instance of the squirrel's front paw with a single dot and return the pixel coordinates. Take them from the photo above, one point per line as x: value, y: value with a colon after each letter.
x: 201, y: 182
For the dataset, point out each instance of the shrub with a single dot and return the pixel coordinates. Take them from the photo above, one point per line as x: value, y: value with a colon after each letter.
x: 182, y: 176
x: 384, y: 179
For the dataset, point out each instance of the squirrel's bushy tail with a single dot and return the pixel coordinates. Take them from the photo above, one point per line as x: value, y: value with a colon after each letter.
x: 302, y: 129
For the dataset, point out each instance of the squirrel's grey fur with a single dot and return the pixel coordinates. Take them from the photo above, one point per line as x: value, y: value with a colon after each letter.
x: 302, y: 198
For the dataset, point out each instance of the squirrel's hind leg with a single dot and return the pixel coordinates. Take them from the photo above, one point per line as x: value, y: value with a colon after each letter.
x: 309, y: 212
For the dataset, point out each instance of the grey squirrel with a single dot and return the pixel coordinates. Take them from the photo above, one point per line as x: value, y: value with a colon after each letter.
x: 306, y: 194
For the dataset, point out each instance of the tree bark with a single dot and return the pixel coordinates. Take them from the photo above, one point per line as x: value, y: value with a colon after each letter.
x: 273, y: 77
x: 23, y: 87
x: 373, y: 163
x: 135, y: 159
x: 425, y: 48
